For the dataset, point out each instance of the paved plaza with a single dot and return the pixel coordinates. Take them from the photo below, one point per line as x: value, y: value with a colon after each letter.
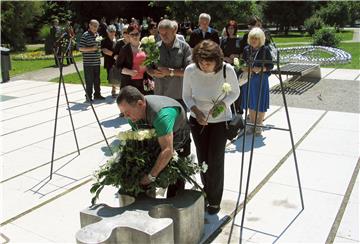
x: 325, y: 123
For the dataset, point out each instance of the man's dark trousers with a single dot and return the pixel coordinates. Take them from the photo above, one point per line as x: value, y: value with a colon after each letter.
x: 92, y: 79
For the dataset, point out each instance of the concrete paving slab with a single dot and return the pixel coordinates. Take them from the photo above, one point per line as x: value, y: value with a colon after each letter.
x: 60, y: 213
x: 20, y: 85
x: 341, y: 142
x: 321, y: 172
x: 282, y: 203
x: 343, y: 74
x: 349, y: 227
x: 339, y: 240
x: 73, y: 168
x: 341, y: 121
x: 22, y: 193
x: 224, y: 236
x: 13, y: 234
x: 25, y: 159
x: 326, y: 71
x: 262, y: 165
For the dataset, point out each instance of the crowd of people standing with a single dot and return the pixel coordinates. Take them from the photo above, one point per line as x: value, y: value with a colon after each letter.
x: 188, y: 77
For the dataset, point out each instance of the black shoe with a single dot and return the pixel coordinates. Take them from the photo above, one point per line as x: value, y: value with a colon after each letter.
x: 88, y: 100
x: 121, y: 115
x: 99, y: 97
x: 213, y: 209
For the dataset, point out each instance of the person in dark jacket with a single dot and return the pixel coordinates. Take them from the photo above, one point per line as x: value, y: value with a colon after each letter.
x: 107, y: 49
x: 204, y: 31
x: 130, y: 61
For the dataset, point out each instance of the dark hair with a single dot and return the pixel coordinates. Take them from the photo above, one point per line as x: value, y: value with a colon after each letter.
x: 152, y: 25
x: 133, y: 27
x: 130, y: 95
x: 231, y: 23
x: 253, y: 20
x: 209, y: 51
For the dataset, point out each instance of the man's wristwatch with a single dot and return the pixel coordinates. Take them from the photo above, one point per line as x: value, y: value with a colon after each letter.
x: 151, y: 178
x: 171, y: 72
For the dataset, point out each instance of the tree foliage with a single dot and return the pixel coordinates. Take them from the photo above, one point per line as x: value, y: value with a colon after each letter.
x: 335, y: 14
x: 16, y: 18
x: 313, y: 24
x: 286, y: 14
x: 220, y: 11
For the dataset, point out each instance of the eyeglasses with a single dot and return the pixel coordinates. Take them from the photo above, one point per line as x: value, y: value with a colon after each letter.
x: 135, y: 34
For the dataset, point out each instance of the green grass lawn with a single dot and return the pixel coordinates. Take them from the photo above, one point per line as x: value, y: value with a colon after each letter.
x: 73, y: 78
x: 23, y: 66
x: 354, y: 50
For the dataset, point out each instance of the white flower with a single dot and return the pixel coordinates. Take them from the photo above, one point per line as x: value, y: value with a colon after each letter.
x: 204, y: 167
x: 142, y: 135
x: 175, y: 156
x: 236, y: 62
x: 145, y: 40
x: 151, y: 39
x: 139, y: 135
x: 226, y: 87
x: 122, y: 136
x: 98, y: 38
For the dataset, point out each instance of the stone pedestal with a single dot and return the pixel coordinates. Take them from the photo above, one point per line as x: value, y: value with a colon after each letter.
x: 145, y: 220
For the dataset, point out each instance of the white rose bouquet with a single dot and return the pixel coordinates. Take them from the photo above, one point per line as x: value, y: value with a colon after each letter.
x: 152, y: 51
x: 135, y: 157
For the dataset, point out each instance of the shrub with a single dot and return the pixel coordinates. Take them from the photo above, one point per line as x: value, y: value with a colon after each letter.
x: 313, y: 24
x: 44, y: 32
x: 326, y: 37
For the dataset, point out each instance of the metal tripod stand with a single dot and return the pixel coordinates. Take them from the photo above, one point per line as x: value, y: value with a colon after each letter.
x: 61, y: 51
x: 254, y: 126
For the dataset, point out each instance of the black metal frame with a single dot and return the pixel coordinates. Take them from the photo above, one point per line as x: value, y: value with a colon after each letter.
x: 289, y: 129
x: 60, y: 55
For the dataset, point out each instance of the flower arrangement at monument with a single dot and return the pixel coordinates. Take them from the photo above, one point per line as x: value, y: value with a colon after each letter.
x: 148, y: 45
x: 135, y: 157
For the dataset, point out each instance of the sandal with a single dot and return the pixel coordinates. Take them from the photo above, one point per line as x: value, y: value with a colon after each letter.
x: 258, y: 131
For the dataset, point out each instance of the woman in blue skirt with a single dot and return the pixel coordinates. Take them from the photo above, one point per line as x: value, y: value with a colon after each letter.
x: 255, y: 54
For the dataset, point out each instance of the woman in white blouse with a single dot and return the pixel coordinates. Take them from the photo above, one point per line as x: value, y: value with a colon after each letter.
x: 202, y: 85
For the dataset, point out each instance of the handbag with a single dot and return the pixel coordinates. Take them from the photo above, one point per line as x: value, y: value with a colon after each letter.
x: 115, y: 75
x: 237, y: 123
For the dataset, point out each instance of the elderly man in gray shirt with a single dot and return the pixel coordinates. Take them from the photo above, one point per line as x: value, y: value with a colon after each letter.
x: 175, y: 55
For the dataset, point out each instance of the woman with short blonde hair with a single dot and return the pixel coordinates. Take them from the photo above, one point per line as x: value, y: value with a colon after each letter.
x: 257, y: 33
x: 256, y: 55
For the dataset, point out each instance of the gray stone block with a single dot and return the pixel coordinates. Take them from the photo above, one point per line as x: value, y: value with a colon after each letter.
x: 145, y: 220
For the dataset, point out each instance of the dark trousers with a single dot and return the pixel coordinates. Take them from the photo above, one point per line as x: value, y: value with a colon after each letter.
x: 182, y: 152
x: 210, y: 148
x: 92, y: 80
x: 139, y: 84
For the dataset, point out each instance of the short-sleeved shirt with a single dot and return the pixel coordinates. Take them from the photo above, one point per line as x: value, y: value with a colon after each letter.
x: 164, y: 121
x: 176, y: 57
x: 89, y: 58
